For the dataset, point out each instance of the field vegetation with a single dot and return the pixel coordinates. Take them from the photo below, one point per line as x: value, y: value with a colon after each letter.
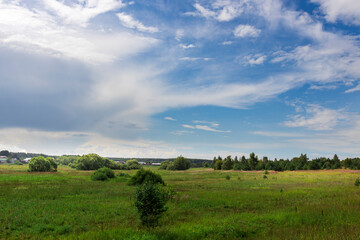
x: 203, y: 204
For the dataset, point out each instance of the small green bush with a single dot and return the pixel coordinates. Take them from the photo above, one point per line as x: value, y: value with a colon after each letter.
x: 266, y: 172
x: 150, y: 202
x: 107, y: 171
x: 133, y: 164
x: 264, y: 176
x: 125, y: 175
x: 227, y: 177
x: 143, y: 176
x: 357, y: 182
x: 99, y: 176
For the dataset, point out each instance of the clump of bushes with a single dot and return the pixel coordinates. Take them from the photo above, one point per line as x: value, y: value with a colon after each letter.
x: 266, y: 172
x: 265, y: 177
x: 42, y: 164
x: 102, y: 174
x: 179, y: 163
x: 143, y: 176
x: 150, y: 200
x: 125, y: 175
x: 93, y: 161
x: 227, y: 177
x: 133, y: 164
x: 357, y: 182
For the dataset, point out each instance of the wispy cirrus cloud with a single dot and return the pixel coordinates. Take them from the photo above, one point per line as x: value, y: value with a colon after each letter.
x: 317, y: 118
x: 205, y: 128
x: 169, y: 118
x: 129, y: 22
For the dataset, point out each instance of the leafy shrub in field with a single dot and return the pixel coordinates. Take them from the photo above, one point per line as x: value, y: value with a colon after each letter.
x: 143, y: 176
x: 171, y: 167
x: 42, y: 164
x: 150, y: 202
x: 99, y: 176
x: 133, y: 164
x: 264, y: 176
x: 357, y: 182
x: 93, y: 161
x: 66, y: 159
x: 125, y: 175
x: 164, y: 164
x: 102, y: 174
x: 181, y: 163
x: 266, y: 172
x: 227, y: 177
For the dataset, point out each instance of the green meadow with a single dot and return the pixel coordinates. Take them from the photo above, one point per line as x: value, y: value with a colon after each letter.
x: 322, y: 204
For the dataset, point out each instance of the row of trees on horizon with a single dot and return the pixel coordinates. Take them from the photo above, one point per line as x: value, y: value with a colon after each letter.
x: 297, y: 163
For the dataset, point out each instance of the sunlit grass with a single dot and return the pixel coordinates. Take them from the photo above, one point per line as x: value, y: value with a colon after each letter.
x: 286, y: 205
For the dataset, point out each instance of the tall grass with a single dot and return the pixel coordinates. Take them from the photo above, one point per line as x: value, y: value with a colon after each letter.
x: 68, y: 205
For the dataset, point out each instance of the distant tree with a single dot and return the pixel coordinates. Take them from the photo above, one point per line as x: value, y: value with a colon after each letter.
x: 205, y: 164
x: 42, y: 164
x: 227, y: 163
x: 236, y: 160
x: 181, y: 163
x: 253, y: 160
x: 92, y: 161
x: 5, y: 153
x: 133, y: 164
x: 66, y: 159
x: 218, y: 164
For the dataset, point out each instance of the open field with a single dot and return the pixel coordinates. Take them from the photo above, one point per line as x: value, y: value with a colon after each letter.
x: 286, y: 205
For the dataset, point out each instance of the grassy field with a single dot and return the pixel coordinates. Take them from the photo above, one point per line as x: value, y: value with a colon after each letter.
x: 285, y: 205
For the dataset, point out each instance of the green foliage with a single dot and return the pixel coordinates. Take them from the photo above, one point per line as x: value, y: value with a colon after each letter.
x: 164, y: 165
x: 107, y: 171
x: 42, y: 164
x: 90, y: 161
x: 171, y: 167
x: 133, y: 164
x: 227, y: 177
x: 266, y: 172
x: 205, y: 165
x: 218, y: 164
x: 227, y: 163
x: 99, y: 176
x: 125, y: 175
x: 264, y: 176
x: 66, y: 159
x: 150, y: 202
x: 181, y: 163
x: 357, y: 182
x: 102, y: 174
x: 143, y: 176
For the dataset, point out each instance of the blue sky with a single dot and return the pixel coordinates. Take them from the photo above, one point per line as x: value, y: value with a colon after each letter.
x: 164, y: 78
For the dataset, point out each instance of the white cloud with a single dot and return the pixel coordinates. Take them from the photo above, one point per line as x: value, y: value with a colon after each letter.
x: 129, y: 22
x: 347, y: 11
x: 227, y: 43
x: 38, y: 32
x: 317, y: 118
x: 277, y: 134
x: 213, y: 124
x: 221, y: 10
x: 204, y: 127
x: 243, y: 31
x: 182, y: 132
x: 179, y: 34
x: 81, y: 13
x: 255, y: 59
x: 169, y: 118
x: 355, y: 89
x: 187, y: 46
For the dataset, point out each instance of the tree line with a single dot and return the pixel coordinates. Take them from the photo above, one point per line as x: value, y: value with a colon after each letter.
x: 297, y: 163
